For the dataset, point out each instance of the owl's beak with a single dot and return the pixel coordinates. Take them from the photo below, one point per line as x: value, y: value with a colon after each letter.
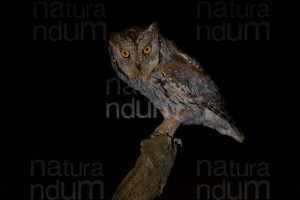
x: 137, y: 70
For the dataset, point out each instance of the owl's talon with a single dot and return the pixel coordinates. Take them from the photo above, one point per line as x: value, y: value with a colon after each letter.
x: 177, y: 141
x: 153, y: 135
x: 156, y: 133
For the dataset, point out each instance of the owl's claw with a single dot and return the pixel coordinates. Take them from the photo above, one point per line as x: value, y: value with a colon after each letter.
x: 174, y: 140
x: 177, y: 141
x: 168, y: 127
x: 161, y: 132
x: 153, y: 135
x: 157, y: 133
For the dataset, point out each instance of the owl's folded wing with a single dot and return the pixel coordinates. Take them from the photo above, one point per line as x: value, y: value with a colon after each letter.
x: 189, y: 78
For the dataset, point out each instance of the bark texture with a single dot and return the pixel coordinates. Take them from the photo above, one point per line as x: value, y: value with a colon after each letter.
x: 150, y: 173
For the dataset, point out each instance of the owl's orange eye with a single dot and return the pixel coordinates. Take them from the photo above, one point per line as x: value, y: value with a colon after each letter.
x: 147, y: 50
x: 125, y: 53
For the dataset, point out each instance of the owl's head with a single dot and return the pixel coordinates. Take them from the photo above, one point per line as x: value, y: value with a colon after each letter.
x: 135, y: 52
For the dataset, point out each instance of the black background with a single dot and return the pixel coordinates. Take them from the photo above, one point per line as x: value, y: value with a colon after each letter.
x: 59, y: 100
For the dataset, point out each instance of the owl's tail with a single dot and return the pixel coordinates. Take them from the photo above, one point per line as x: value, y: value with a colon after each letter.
x: 223, y: 126
x: 236, y: 134
x: 232, y: 131
x: 229, y: 130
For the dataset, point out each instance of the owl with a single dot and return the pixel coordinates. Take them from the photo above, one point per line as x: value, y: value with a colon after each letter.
x: 172, y: 80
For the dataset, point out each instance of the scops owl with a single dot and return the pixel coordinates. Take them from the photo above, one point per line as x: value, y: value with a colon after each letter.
x: 173, y: 81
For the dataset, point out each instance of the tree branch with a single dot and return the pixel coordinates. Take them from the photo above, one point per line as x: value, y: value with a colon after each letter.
x: 150, y: 173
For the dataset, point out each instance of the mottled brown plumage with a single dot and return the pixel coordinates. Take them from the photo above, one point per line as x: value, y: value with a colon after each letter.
x: 173, y: 81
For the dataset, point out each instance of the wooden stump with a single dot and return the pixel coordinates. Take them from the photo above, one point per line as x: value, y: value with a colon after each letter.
x: 150, y: 173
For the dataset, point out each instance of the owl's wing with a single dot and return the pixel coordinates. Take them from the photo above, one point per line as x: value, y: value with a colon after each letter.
x: 190, y: 78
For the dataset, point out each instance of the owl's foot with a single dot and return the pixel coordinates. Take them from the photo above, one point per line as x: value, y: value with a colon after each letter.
x: 177, y: 141
x: 169, y: 126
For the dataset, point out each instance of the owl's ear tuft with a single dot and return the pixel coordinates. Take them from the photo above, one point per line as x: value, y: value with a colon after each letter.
x: 153, y: 28
x: 113, y: 36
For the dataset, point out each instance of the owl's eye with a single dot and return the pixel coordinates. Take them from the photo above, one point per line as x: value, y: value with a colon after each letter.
x: 125, y: 53
x: 147, y: 50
